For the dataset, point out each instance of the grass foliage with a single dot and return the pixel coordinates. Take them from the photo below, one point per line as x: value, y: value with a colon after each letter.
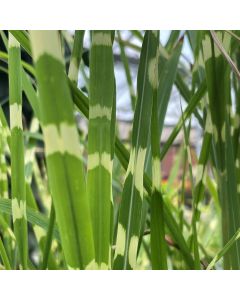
x: 76, y: 200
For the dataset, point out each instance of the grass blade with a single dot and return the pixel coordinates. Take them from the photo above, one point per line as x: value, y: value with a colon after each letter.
x: 224, y: 250
x: 127, y: 70
x: 4, y: 256
x: 158, y: 244
x: 49, y: 238
x: 218, y: 84
x: 76, y: 56
x: 99, y: 144
x: 131, y: 205
x: 17, y: 151
x: 63, y: 157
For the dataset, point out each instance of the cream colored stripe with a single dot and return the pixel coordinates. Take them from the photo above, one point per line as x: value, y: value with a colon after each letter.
x: 102, y: 39
x: 18, y: 210
x: 98, y: 111
x: 15, y: 116
x: 63, y: 140
x: 95, y: 160
x: 46, y: 42
x: 12, y: 42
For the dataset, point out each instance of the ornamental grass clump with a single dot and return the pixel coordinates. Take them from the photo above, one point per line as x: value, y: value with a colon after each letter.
x: 90, y: 200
